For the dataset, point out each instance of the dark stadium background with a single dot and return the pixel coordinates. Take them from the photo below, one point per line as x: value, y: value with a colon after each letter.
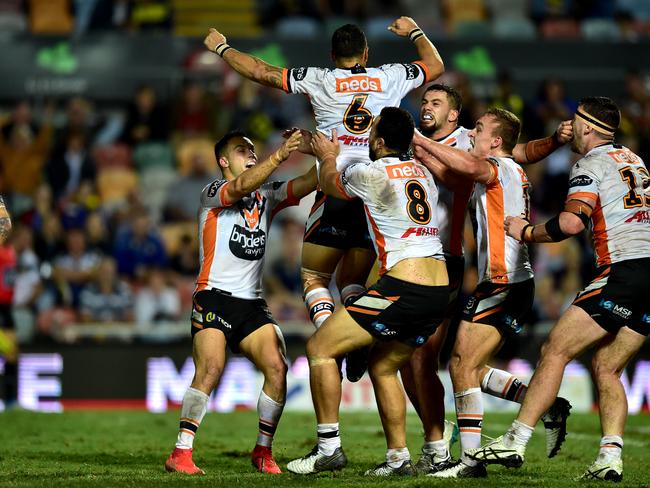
x: 129, y: 86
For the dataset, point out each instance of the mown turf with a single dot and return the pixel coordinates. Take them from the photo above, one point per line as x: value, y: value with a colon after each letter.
x: 129, y: 448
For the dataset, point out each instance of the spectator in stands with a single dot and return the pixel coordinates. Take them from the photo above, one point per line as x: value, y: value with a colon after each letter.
x: 185, y: 261
x: 28, y: 285
x: 506, y: 97
x: 97, y: 234
x: 48, y: 238
x: 70, y: 165
x: 178, y: 207
x: 138, y: 246
x: 157, y: 301
x: 195, y: 112
x: 553, y: 105
x: 106, y: 298
x: 148, y: 120
x: 79, y: 119
x: 76, y: 268
x: 23, y: 153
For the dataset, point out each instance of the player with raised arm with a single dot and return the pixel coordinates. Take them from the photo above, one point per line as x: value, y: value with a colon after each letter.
x: 505, y: 291
x: 439, y: 112
x: 609, y: 192
x: 229, y: 310
x: 396, y: 314
x: 345, y: 98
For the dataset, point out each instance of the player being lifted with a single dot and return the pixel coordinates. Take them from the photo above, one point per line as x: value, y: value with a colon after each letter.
x: 609, y: 192
x: 396, y: 314
x: 439, y: 112
x: 345, y: 98
x: 505, y: 291
x: 234, y: 219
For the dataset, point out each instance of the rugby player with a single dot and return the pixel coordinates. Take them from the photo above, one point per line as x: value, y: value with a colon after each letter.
x: 8, y: 341
x: 396, y: 314
x: 346, y: 98
x: 439, y: 112
x: 608, y: 191
x: 228, y: 310
x: 505, y: 292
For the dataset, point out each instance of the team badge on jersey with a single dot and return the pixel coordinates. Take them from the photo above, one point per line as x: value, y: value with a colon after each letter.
x: 249, y: 242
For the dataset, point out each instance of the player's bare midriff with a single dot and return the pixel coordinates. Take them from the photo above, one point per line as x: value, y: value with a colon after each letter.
x: 421, y: 271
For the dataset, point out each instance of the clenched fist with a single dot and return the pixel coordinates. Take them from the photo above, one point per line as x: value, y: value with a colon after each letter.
x: 213, y: 39
x: 403, y: 26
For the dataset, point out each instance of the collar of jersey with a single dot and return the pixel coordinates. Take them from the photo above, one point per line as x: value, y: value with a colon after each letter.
x: 600, y: 148
x: 357, y: 68
x: 440, y: 139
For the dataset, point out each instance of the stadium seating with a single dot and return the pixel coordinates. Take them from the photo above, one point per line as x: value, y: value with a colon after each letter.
x: 50, y: 17
x: 112, y: 156
x: 513, y: 28
x: 600, y: 30
x: 298, y: 28
x: 115, y: 184
x: 560, y: 29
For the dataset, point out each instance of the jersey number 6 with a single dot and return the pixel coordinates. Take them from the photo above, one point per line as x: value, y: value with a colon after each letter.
x: 357, y: 118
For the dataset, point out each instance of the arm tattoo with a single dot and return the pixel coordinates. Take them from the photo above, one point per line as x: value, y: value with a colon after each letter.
x: 272, y: 77
x: 5, y: 227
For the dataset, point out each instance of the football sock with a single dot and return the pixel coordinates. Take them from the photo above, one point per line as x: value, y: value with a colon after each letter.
x: 469, y: 411
x: 396, y: 457
x: 439, y: 449
x: 502, y: 384
x: 350, y: 292
x: 269, y: 412
x: 329, y: 438
x: 520, y: 434
x: 195, y: 405
x: 611, y: 449
x: 320, y: 305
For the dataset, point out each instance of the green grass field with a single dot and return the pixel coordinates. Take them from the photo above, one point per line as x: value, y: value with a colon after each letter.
x: 129, y: 448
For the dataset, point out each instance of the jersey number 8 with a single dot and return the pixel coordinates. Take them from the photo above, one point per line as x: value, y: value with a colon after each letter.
x: 357, y: 118
x: 417, y: 207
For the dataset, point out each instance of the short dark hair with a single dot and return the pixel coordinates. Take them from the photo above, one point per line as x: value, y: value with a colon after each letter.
x: 603, y: 109
x: 395, y: 127
x: 455, y: 100
x: 348, y: 41
x: 223, y: 142
x: 509, y: 127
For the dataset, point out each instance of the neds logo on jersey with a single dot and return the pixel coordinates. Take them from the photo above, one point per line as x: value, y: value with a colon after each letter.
x: 358, y: 84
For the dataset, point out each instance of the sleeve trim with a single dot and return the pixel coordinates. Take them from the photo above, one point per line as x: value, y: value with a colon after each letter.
x: 582, y: 194
x: 425, y: 70
x: 290, y: 201
x: 222, y: 194
x: 285, y: 80
x: 341, y: 187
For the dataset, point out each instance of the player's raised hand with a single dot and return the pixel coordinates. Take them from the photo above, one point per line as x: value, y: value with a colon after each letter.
x: 290, y: 145
x: 514, y: 226
x: 403, y: 26
x: 305, y: 142
x: 323, y: 147
x: 564, y: 132
x: 213, y: 39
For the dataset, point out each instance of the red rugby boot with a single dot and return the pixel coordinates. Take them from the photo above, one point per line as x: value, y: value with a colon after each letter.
x: 180, y: 461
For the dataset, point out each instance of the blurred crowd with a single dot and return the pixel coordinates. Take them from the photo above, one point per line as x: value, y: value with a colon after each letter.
x: 590, y: 19
x: 104, y: 198
x: 104, y: 201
